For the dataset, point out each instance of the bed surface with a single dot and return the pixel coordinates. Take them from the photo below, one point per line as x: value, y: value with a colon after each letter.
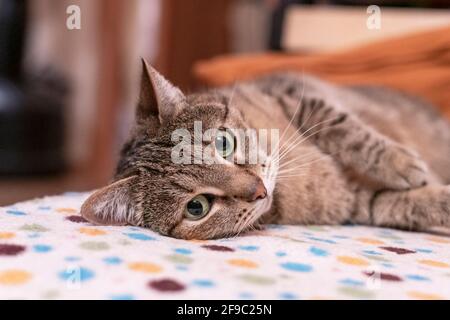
x: 47, y: 251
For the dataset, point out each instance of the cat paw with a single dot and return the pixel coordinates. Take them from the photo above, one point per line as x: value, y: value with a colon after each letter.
x: 402, y: 168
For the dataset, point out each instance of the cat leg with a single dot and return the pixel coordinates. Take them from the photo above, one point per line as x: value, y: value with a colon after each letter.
x: 359, y: 147
x: 418, y: 209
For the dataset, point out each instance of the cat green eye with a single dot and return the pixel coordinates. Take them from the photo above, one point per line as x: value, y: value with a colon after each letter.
x: 225, y: 143
x: 198, y: 207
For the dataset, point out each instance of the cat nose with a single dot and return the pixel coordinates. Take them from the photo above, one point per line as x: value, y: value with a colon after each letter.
x: 259, y: 191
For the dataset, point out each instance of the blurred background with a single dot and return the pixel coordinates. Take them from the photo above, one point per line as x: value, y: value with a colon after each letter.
x: 69, y: 69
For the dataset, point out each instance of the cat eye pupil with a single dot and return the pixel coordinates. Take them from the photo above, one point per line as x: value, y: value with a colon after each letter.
x: 195, y: 207
x: 222, y: 143
x: 198, y: 207
x: 225, y: 143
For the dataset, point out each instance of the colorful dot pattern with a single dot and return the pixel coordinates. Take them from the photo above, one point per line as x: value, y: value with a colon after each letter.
x: 47, y: 251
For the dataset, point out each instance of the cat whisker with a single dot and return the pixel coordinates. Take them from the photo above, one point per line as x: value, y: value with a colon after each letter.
x: 292, y: 171
x: 297, y: 131
x: 286, y: 170
x: 292, y: 176
x: 296, y: 159
x: 302, y: 138
x: 293, y: 116
x: 294, y: 135
x: 244, y: 223
x: 304, y: 134
x: 295, y: 170
x: 282, y: 173
x: 296, y: 173
x: 237, y: 226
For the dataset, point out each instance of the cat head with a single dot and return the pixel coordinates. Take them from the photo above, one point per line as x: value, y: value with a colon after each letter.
x: 184, y: 199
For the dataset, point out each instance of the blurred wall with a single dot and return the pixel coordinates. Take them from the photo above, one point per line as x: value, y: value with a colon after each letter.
x: 101, y: 61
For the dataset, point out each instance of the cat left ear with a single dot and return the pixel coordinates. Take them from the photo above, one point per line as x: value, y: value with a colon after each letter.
x: 111, y: 205
x: 158, y: 97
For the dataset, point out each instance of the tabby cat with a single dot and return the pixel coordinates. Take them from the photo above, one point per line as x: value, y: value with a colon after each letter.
x: 364, y: 155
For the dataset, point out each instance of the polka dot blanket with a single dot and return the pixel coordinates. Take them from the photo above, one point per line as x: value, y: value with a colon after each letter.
x: 47, y: 251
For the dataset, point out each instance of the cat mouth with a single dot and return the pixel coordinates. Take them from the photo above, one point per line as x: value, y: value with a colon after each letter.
x: 265, y: 206
x: 262, y: 206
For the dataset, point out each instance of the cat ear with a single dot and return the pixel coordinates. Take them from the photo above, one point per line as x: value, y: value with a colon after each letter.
x: 111, y: 205
x: 158, y: 97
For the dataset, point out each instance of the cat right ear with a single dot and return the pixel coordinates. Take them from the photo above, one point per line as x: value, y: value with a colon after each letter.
x: 111, y: 205
x: 158, y: 97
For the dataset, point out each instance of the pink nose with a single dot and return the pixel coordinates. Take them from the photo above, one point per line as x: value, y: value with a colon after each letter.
x: 259, y: 192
